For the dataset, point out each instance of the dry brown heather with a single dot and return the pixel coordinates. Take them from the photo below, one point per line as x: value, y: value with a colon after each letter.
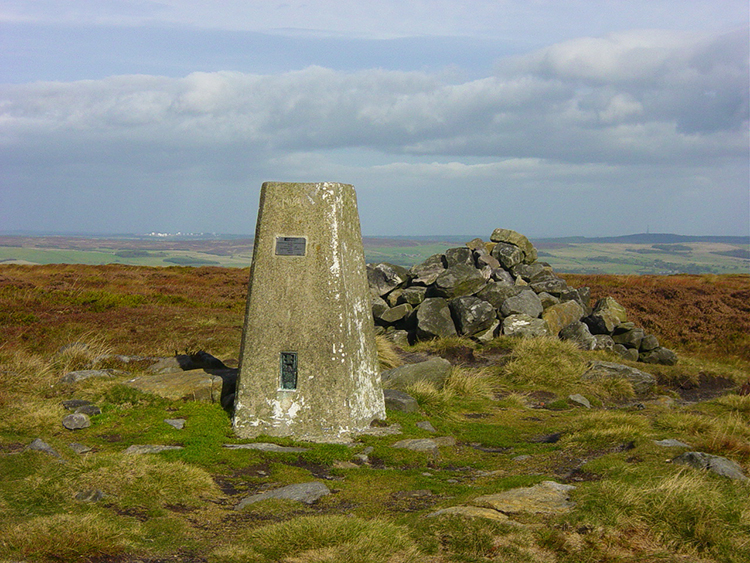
x: 157, y: 311
x: 631, y: 505
x: 140, y: 310
x: 706, y: 314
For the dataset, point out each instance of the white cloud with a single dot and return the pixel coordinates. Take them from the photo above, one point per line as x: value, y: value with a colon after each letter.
x: 578, y: 115
x: 607, y: 112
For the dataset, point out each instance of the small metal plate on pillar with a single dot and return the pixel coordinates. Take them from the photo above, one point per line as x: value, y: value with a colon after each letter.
x: 288, y: 368
x: 290, y: 246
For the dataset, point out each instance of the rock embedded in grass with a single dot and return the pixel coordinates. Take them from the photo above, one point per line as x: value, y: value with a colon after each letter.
x: 90, y: 495
x: 547, y: 497
x: 139, y: 449
x: 671, y: 443
x: 40, y: 445
x: 177, y: 423
x: 306, y: 493
x: 580, y: 400
x: 434, y: 371
x: 470, y: 512
x: 191, y: 385
x: 396, y: 400
x: 266, y: 447
x: 76, y: 421
x: 79, y: 448
x: 74, y: 404
x: 713, y: 463
x: 426, y: 425
x: 643, y: 383
x: 80, y: 375
x: 659, y: 355
x: 418, y: 445
x: 89, y: 410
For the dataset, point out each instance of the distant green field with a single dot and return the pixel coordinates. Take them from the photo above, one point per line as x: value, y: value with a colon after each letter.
x: 604, y: 258
x: 588, y: 257
x: 406, y: 255
x: 105, y: 256
x: 612, y: 258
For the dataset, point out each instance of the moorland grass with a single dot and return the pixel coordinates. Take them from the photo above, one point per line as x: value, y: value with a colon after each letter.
x: 321, y: 539
x: 631, y: 504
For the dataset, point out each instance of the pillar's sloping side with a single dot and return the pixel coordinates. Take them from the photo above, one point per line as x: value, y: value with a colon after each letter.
x: 308, y: 361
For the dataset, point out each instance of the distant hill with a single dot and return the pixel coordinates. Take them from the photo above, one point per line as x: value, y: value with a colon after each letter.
x: 646, y: 238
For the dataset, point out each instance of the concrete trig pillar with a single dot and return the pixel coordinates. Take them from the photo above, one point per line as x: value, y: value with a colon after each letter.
x: 308, y: 362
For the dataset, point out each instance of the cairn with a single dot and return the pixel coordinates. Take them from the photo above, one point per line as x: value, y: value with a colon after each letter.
x: 486, y: 289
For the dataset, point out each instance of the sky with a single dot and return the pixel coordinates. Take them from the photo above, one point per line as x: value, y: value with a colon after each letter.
x: 450, y: 117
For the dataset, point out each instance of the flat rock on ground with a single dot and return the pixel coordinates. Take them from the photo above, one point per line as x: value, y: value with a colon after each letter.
x: 547, y: 497
x: 643, y: 383
x: 137, y: 449
x: 714, y: 463
x: 307, y: 493
x: 471, y: 512
x: 434, y: 370
x: 192, y: 385
x: 266, y: 447
x: 76, y: 421
x: 399, y: 401
x: 40, y: 445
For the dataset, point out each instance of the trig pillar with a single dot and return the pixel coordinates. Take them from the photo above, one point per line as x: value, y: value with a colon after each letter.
x: 308, y: 361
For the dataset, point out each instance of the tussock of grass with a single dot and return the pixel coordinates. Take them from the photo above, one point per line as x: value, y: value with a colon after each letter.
x: 737, y: 403
x: 608, y: 428
x: 65, y: 537
x: 144, y: 480
x: 724, y: 435
x: 546, y: 363
x: 388, y: 358
x: 26, y: 415
x: 22, y: 372
x: 463, y: 384
x: 321, y: 539
x: 515, y: 401
x: 685, y: 511
x: 471, y: 383
x: 83, y: 352
x: 432, y: 400
x: 452, y: 538
x: 438, y: 345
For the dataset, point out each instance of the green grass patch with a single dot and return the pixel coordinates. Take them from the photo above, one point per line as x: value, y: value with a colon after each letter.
x: 329, y: 539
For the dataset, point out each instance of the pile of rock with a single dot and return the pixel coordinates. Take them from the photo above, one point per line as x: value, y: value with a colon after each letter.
x: 485, y: 289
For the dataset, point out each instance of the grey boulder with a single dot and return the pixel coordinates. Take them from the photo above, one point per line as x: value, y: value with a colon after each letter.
x: 472, y: 315
x: 76, y: 421
x: 643, y: 383
x: 434, y: 371
x: 461, y: 279
x: 509, y: 255
x: 524, y: 303
x: 428, y: 271
x: 659, y: 355
x: 579, y: 333
x: 512, y: 237
x: 434, y: 319
x: 386, y: 277
x: 524, y: 326
x: 714, y: 463
x: 306, y: 493
x: 396, y: 400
